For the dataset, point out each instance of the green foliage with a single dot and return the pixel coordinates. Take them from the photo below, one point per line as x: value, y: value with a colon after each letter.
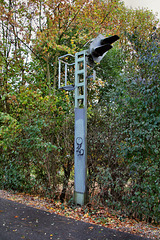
x: 129, y: 161
x: 141, y: 148
x: 142, y: 140
x: 31, y: 143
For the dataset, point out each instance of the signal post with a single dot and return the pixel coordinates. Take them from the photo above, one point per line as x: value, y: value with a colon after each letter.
x: 97, y: 50
x: 80, y: 139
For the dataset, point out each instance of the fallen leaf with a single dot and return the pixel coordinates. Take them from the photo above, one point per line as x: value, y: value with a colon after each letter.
x: 90, y: 228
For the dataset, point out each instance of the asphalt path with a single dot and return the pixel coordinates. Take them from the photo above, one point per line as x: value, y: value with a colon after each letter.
x: 18, y: 222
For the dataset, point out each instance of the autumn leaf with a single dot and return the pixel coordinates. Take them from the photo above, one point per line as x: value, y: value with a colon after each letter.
x: 90, y: 228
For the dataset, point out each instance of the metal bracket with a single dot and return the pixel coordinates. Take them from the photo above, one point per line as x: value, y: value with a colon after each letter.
x: 65, y: 86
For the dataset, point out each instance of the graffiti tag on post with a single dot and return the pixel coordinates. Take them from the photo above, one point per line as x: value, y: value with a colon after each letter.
x: 79, y: 149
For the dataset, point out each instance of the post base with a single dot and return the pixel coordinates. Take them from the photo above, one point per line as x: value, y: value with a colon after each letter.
x: 80, y: 198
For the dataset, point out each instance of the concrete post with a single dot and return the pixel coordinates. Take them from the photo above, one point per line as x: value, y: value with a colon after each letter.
x: 80, y: 142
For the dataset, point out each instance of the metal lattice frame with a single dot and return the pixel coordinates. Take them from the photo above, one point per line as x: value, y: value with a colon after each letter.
x: 80, y: 79
x: 65, y: 86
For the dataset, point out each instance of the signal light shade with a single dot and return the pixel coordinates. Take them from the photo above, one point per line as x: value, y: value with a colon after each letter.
x: 109, y: 40
x: 99, y: 51
x: 99, y: 47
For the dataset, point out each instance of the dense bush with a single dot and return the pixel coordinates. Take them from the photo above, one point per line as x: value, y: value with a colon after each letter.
x: 31, y: 145
x: 125, y: 157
